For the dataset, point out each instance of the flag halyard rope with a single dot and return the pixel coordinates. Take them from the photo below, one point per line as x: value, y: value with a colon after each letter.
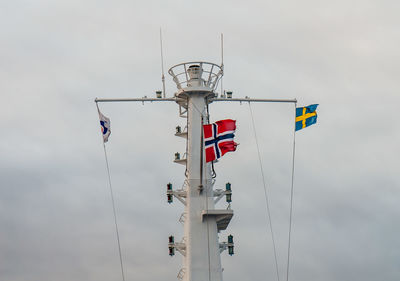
x: 113, y: 207
x: 115, y: 214
x: 265, y: 194
x: 291, y: 199
x: 206, y: 195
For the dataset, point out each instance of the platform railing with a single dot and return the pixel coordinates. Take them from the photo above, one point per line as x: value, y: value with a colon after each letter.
x: 211, y: 74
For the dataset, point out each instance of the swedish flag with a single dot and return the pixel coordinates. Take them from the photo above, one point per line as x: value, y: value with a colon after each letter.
x: 306, y: 116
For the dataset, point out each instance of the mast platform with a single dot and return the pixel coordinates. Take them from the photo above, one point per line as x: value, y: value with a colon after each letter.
x: 222, y: 217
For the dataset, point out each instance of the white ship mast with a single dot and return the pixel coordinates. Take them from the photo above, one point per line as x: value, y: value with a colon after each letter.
x: 200, y: 246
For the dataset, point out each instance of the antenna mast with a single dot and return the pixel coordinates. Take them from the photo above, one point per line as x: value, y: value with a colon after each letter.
x: 222, y: 64
x: 162, y: 64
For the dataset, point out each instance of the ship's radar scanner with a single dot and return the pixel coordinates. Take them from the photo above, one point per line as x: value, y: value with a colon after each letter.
x: 196, y: 76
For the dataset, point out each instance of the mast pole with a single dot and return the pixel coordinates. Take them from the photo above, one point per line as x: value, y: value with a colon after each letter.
x: 202, y: 260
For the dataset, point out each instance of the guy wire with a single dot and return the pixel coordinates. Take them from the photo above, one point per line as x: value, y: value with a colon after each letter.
x: 115, y: 215
x: 265, y: 194
x: 291, y: 199
x: 113, y: 207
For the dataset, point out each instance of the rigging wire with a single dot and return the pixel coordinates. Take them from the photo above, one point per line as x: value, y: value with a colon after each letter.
x: 214, y: 174
x: 206, y: 195
x: 187, y: 137
x: 265, y: 194
x: 291, y: 200
x: 114, y: 211
x: 115, y: 215
x: 207, y: 186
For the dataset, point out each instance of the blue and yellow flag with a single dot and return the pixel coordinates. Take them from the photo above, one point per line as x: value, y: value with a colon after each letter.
x: 306, y: 116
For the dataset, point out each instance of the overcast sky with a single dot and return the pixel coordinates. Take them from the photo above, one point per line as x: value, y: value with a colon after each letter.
x: 56, y: 57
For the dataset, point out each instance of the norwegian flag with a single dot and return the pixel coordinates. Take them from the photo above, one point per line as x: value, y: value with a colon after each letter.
x: 218, y: 138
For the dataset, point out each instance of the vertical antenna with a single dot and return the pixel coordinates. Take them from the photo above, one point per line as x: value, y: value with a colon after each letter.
x: 222, y: 63
x: 162, y: 64
x: 222, y: 49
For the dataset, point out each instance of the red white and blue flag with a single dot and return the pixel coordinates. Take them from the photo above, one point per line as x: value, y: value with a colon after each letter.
x: 218, y: 138
x: 105, y: 126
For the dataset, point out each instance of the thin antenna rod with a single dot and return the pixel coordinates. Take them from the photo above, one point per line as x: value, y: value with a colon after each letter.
x: 222, y: 63
x: 162, y: 64
x: 222, y: 49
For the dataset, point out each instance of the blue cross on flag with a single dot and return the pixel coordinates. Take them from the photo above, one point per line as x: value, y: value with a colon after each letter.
x: 218, y: 138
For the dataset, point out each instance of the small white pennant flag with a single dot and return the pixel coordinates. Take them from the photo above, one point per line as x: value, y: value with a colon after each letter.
x: 105, y: 126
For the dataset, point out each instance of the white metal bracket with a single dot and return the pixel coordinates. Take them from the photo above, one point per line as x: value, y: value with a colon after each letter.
x: 179, y: 194
x: 182, y: 160
x: 181, y: 248
x: 182, y: 111
x: 219, y: 193
x: 224, y: 246
x: 182, y: 134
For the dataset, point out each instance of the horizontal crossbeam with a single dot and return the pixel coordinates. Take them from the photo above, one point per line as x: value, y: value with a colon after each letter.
x: 136, y: 99
x: 254, y: 100
x: 211, y: 100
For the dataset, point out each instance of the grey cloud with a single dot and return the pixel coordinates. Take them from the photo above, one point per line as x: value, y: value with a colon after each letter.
x: 56, y: 217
